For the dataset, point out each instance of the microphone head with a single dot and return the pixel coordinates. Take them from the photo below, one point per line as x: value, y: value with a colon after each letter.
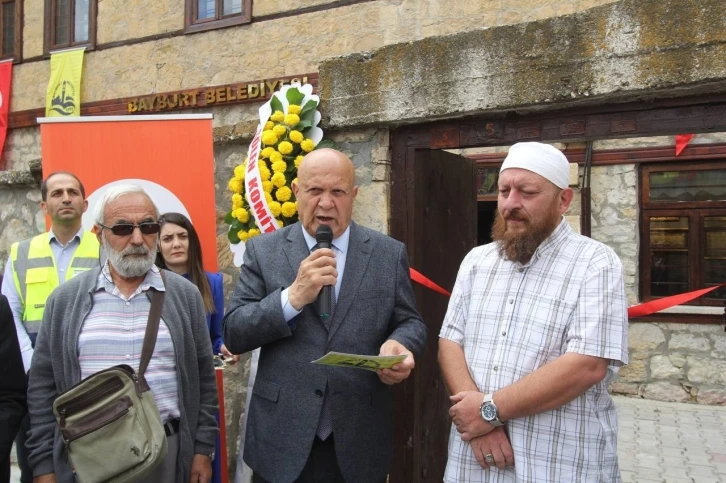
x: 324, y: 234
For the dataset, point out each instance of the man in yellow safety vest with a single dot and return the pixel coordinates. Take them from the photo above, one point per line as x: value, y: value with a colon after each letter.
x: 38, y: 265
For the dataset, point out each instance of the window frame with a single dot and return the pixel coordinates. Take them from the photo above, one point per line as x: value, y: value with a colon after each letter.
x: 49, y: 31
x: 192, y: 25
x: 17, y: 55
x: 695, y: 211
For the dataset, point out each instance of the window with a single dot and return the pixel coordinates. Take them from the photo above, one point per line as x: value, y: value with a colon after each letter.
x: 11, y: 29
x: 211, y: 14
x: 684, y: 230
x: 70, y: 23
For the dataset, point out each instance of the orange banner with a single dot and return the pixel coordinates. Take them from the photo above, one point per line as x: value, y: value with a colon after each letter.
x: 171, y: 156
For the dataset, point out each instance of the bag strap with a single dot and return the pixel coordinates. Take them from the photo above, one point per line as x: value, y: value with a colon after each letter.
x: 152, y: 329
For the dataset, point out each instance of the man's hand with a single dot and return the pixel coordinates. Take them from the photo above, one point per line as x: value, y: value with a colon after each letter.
x: 400, y: 371
x: 228, y: 356
x: 201, y: 469
x: 316, y: 271
x: 496, y: 444
x: 466, y: 414
x: 47, y: 478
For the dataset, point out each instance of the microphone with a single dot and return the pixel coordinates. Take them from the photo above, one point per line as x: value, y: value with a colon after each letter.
x: 324, y: 238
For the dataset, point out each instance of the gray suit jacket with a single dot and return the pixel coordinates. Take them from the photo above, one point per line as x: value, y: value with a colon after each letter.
x: 376, y: 303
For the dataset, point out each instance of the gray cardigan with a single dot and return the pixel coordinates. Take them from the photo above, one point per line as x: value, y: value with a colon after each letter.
x: 55, y: 368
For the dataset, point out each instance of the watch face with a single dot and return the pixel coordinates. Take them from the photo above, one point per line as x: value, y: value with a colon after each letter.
x: 489, y: 412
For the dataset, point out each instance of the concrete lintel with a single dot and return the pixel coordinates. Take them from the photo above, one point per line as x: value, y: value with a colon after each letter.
x: 613, y: 53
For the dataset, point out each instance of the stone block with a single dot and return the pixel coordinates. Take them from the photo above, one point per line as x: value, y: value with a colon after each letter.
x: 574, y: 175
x: 703, y: 370
x: 689, y: 343
x: 719, y: 345
x: 678, y: 360
x: 636, y: 371
x: 624, y: 388
x: 645, y: 337
x: 666, y: 391
x: 715, y: 395
x: 662, y: 368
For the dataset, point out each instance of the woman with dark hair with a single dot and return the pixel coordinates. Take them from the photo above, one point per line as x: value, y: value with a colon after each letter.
x: 181, y: 252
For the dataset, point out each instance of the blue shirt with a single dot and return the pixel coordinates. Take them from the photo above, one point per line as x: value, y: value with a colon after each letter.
x: 214, y: 321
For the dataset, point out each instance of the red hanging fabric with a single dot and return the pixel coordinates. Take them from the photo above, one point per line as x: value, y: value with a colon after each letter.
x: 682, y: 141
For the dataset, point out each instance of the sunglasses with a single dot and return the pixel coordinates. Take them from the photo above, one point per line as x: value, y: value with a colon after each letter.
x: 125, y: 229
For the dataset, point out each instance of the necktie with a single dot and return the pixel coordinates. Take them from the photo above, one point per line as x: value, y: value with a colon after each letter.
x: 325, y: 424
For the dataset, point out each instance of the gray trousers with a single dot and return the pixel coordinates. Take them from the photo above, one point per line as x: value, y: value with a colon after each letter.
x: 166, y: 471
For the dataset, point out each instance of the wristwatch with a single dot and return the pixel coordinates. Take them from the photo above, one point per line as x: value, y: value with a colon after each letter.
x: 489, y: 412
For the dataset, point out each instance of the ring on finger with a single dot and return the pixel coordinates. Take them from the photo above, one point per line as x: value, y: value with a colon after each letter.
x: 489, y: 459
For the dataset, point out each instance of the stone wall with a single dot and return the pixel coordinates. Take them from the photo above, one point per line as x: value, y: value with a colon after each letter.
x: 263, y: 49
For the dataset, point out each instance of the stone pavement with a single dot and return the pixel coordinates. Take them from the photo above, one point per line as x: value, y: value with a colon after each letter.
x: 663, y: 442
x: 671, y: 442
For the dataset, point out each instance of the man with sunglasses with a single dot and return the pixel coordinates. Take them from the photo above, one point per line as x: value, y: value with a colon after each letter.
x: 99, y: 319
x: 36, y: 266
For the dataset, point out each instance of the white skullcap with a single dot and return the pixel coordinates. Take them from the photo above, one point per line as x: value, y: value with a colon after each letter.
x: 543, y: 159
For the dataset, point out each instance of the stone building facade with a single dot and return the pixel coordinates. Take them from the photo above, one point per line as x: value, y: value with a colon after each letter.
x: 385, y: 65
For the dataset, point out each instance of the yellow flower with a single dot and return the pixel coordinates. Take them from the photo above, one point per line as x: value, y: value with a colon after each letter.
x: 307, y: 145
x: 243, y: 236
x: 265, y: 174
x: 239, y: 172
x: 283, y: 194
x: 267, y: 186
x: 280, y: 130
x: 292, y: 119
x: 253, y: 232
x: 236, y: 201
x: 279, y: 166
x: 275, y: 209
x: 268, y: 125
x: 268, y: 198
x: 267, y: 152
x: 296, y: 137
x: 242, y: 215
x: 298, y: 160
x: 277, y: 116
x: 235, y: 185
x: 285, y: 147
x: 280, y: 223
x: 288, y: 209
x: 278, y: 179
x: 275, y: 157
x: 294, y: 109
x: 269, y: 138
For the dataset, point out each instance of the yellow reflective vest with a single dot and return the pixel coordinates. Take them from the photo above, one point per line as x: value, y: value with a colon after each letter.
x: 36, y: 275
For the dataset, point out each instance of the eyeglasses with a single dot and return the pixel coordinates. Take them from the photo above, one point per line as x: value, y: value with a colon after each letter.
x: 125, y: 229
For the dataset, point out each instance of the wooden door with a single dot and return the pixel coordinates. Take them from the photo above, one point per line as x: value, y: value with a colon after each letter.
x: 439, y: 229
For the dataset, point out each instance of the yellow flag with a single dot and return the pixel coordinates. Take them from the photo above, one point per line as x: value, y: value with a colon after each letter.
x: 63, y: 98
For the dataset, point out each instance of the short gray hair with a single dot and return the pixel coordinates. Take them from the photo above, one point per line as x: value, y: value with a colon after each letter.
x: 116, y: 192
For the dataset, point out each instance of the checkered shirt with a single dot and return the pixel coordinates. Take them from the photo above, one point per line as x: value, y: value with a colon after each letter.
x: 510, y: 320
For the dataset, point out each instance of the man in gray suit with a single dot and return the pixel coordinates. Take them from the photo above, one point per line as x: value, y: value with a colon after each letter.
x: 307, y: 422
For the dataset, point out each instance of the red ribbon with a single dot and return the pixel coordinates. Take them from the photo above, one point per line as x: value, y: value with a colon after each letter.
x: 641, y: 310
x: 681, y: 141
x: 657, y: 305
x: 418, y: 278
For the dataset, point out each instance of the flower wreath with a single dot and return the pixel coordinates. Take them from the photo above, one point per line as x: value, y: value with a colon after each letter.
x: 262, y: 198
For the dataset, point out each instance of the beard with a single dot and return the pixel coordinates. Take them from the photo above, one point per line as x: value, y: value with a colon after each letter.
x: 129, y: 267
x: 520, y: 246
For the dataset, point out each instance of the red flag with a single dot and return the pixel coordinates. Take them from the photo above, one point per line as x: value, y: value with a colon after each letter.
x: 681, y: 141
x: 6, y: 74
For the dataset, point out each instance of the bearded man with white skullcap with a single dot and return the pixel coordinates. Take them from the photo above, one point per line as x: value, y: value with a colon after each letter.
x: 535, y: 331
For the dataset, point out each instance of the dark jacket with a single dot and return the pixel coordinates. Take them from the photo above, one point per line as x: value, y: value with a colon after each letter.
x: 376, y: 303
x: 13, y: 385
